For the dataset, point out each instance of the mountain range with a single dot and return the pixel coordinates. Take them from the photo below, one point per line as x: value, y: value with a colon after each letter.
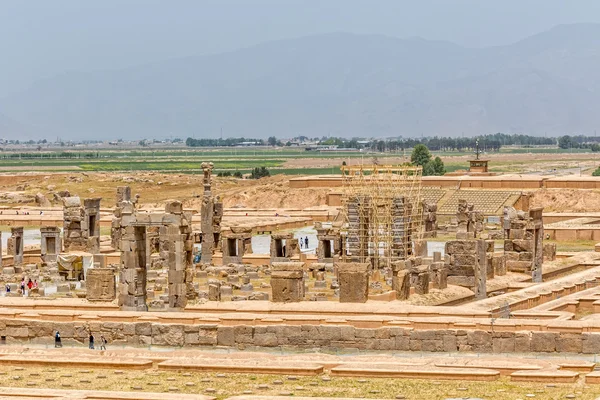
x: 340, y: 84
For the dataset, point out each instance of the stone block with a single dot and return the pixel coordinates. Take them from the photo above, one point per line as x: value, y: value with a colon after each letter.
x: 353, y: 281
x: 543, y: 341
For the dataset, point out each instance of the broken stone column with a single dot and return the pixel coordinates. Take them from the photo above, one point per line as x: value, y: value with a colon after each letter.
x: 51, y: 244
x: 287, y: 282
x: 100, y: 284
x: 90, y: 226
x: 400, y: 280
x: 214, y: 290
x: 523, y: 244
x: 429, y: 219
x: 354, y: 282
x: 419, y: 275
x: 14, y: 244
x: 549, y: 251
x: 211, y: 214
x: 438, y: 272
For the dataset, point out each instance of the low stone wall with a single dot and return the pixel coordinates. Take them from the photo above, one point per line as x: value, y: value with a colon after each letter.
x: 302, y: 337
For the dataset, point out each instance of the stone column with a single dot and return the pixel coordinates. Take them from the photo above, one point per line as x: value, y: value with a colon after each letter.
x: 353, y: 281
x: 481, y: 271
x: 14, y: 244
x: 132, y: 280
x: 287, y: 282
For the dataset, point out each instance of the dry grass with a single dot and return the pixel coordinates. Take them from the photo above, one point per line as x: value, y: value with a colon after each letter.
x: 227, y: 385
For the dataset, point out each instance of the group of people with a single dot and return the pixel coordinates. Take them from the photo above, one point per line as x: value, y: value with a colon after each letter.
x: 303, y: 242
x: 30, y: 285
x: 103, y: 341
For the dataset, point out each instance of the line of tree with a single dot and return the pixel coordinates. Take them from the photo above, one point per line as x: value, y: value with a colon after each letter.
x: 579, y: 142
x: 190, y: 142
x: 437, y: 143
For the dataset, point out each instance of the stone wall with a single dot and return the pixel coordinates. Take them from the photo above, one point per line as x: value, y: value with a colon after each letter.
x: 305, y: 336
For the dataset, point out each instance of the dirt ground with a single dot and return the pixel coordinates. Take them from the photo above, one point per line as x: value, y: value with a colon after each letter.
x: 567, y: 200
x: 155, y: 188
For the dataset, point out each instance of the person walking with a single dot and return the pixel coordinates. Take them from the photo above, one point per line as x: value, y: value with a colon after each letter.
x: 306, y: 242
x: 91, y: 341
x: 102, y: 342
x: 23, y: 286
x: 57, y: 342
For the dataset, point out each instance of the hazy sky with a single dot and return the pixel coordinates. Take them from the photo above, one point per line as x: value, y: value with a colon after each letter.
x: 42, y: 38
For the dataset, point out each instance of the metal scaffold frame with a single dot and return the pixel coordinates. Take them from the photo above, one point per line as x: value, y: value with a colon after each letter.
x: 383, y: 214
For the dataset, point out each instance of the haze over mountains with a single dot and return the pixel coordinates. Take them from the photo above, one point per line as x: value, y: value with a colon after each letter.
x: 339, y: 84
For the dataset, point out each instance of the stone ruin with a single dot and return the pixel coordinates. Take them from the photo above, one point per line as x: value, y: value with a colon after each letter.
x: 51, y: 244
x: 283, y: 247
x: 287, y: 282
x: 415, y: 273
x: 100, y: 284
x: 236, y: 243
x: 429, y: 220
x: 523, y: 241
x: 467, y: 264
x: 353, y: 281
x: 14, y: 244
x: 329, y: 244
x: 211, y: 213
x: 470, y: 222
x: 81, y: 224
x: 175, y: 245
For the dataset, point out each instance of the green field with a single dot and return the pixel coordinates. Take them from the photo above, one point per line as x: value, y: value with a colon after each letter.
x: 224, y: 159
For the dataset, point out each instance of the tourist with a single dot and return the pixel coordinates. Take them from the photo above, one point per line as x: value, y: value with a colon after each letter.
x: 7, y: 288
x: 306, y: 242
x: 35, y: 284
x: 103, y: 342
x: 23, y: 286
x: 41, y: 213
x: 300, y: 243
x: 91, y: 341
x: 30, y: 284
x: 57, y: 342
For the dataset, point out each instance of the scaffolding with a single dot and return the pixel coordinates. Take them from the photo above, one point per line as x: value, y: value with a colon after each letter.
x: 383, y: 214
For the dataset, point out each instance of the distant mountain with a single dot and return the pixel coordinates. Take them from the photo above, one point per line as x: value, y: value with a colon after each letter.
x: 339, y: 84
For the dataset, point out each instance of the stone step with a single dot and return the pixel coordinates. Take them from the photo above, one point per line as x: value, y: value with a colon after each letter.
x: 555, y: 376
x: 593, y: 377
x: 29, y: 392
x: 391, y: 371
x: 583, y: 367
x: 71, y: 362
x: 503, y: 368
x: 243, y: 367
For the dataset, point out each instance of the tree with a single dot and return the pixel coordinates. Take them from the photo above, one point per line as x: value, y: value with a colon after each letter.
x: 238, y: 174
x: 272, y: 141
x: 596, y: 172
x: 438, y: 166
x: 420, y: 155
x: 258, y: 173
